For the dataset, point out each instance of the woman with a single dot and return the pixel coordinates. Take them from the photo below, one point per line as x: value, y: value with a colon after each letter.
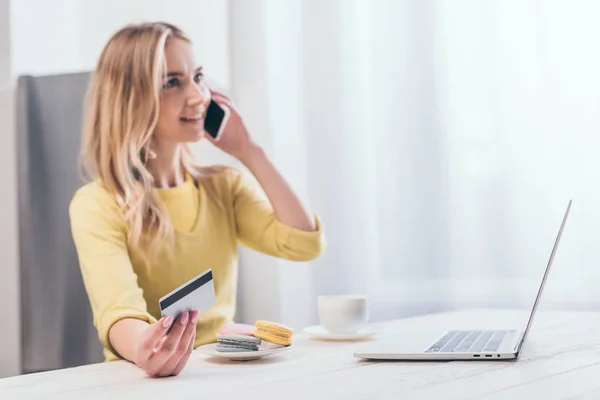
x: 151, y: 218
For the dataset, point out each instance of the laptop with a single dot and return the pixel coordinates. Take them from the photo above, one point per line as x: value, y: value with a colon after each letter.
x: 488, y: 345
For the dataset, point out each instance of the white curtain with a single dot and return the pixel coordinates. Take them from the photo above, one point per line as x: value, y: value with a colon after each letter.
x: 440, y: 142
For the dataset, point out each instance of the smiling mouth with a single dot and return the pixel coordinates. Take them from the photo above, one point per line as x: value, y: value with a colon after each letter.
x: 194, y: 118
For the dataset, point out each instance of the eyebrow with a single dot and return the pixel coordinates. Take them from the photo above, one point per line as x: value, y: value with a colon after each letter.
x: 178, y: 73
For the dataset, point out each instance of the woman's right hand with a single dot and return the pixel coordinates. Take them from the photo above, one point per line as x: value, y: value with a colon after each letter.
x: 163, y: 355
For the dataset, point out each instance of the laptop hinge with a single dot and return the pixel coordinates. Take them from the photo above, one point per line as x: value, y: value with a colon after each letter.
x: 519, y: 342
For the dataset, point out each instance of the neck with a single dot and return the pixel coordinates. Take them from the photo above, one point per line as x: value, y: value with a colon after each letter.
x: 167, y: 167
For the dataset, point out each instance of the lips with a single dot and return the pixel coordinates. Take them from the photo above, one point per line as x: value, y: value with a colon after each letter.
x: 192, y: 118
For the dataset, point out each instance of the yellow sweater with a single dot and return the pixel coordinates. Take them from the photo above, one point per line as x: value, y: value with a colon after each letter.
x: 120, y: 285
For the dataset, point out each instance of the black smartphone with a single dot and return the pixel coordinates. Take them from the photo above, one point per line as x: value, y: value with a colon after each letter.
x: 215, y: 119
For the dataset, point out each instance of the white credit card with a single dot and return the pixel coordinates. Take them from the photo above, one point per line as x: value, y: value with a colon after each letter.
x: 196, y: 294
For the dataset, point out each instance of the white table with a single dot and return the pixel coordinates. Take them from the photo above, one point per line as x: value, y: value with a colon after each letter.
x: 560, y: 360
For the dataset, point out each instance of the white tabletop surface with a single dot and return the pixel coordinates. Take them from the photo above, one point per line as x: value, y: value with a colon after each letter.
x: 560, y: 360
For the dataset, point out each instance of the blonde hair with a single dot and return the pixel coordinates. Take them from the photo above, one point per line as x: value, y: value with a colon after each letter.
x: 122, y: 109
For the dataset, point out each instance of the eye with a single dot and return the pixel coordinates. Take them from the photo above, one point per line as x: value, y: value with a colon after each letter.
x: 198, y: 77
x: 171, y: 83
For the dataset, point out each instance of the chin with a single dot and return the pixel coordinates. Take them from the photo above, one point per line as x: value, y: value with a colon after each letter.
x: 199, y: 136
x: 194, y: 136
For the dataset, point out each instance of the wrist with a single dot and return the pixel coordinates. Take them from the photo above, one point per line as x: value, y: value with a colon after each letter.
x: 125, y: 335
x: 254, y: 155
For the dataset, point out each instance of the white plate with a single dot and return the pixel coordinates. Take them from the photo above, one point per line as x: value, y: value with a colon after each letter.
x: 264, y: 350
x: 318, y: 332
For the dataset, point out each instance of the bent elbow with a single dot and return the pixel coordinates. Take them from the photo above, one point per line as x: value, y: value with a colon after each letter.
x: 308, y: 252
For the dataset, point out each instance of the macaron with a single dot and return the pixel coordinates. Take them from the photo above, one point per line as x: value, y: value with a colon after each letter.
x: 232, y: 343
x: 273, y: 332
x: 237, y: 329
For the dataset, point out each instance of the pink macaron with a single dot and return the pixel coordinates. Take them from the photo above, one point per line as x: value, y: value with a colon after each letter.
x: 237, y: 329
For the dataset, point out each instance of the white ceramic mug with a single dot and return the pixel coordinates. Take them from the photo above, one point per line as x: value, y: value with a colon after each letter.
x: 343, y: 314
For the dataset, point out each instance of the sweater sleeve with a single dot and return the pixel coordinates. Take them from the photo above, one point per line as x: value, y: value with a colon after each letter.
x: 99, y: 235
x: 259, y: 229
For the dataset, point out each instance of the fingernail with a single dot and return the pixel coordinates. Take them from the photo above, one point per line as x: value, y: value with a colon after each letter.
x: 168, y: 321
x: 195, y: 315
x: 184, y: 318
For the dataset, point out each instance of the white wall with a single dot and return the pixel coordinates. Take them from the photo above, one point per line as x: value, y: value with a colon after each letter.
x: 40, y: 44
x: 67, y: 36
x: 10, y: 332
x: 266, y: 49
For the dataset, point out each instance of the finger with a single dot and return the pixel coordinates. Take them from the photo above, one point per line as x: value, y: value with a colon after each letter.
x: 167, y: 348
x: 183, y: 362
x: 190, y: 329
x: 223, y: 100
x: 160, y: 342
x: 153, y: 336
x: 215, y: 93
x: 182, y: 346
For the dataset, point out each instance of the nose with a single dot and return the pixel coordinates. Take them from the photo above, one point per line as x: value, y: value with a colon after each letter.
x: 198, y: 97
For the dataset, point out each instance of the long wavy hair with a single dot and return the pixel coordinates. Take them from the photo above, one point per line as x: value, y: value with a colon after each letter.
x: 122, y: 109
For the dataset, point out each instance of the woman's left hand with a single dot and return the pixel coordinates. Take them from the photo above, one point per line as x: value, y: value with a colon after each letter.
x: 236, y: 139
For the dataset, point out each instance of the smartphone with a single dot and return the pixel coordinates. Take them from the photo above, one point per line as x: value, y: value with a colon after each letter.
x: 215, y: 119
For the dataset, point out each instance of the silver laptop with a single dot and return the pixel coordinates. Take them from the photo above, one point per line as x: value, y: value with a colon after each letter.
x: 460, y: 344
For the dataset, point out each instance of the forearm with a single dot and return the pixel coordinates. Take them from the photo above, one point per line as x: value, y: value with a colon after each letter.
x: 288, y: 208
x: 124, y: 335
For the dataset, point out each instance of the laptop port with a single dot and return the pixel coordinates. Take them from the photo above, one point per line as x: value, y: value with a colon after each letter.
x: 488, y: 355
x: 476, y: 355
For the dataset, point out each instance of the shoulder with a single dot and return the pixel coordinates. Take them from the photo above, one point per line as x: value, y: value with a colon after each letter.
x: 219, y: 172
x: 94, y: 200
x: 93, y: 193
x: 223, y: 178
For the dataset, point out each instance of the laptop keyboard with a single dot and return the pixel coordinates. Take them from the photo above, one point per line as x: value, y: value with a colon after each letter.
x: 468, y: 341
